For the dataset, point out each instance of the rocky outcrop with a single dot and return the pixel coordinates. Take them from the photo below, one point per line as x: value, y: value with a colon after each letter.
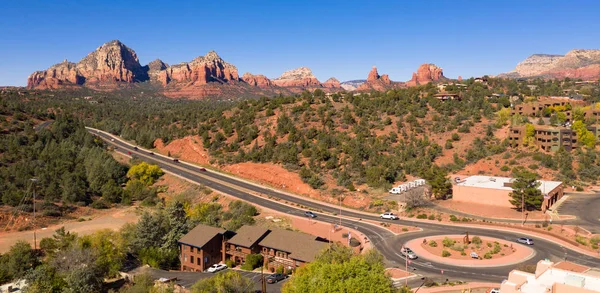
x: 425, y: 74
x: 584, y: 64
x: 61, y: 75
x: 351, y: 85
x: 299, y: 77
x: 258, y: 80
x: 109, y: 64
x: 200, y: 71
x: 154, y: 70
x: 377, y: 82
x: 332, y: 83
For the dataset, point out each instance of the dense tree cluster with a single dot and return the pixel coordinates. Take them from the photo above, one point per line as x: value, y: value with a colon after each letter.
x: 70, y: 165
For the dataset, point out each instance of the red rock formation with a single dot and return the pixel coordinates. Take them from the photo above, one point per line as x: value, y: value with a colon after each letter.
x: 257, y: 80
x: 425, y: 74
x: 301, y: 77
x: 57, y: 76
x: 109, y: 64
x: 377, y: 82
x: 332, y: 83
x: 201, y: 70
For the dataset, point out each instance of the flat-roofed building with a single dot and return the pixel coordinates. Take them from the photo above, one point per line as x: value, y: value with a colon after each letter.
x: 495, y: 191
x: 550, y: 277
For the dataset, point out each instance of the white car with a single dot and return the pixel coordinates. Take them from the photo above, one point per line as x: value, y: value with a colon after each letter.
x: 216, y: 267
x: 474, y: 255
x: 527, y: 241
x: 495, y: 290
x: 389, y: 216
x: 408, y: 253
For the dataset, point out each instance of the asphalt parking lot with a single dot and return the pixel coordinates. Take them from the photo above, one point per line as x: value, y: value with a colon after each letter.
x: 187, y: 279
x: 587, y: 209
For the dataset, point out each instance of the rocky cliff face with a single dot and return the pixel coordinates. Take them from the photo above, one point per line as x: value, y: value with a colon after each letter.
x: 377, y: 82
x: 60, y: 75
x: 332, y: 83
x: 109, y: 64
x: 299, y: 77
x: 258, y: 80
x: 584, y: 64
x: 200, y: 71
x: 425, y: 74
x: 113, y: 64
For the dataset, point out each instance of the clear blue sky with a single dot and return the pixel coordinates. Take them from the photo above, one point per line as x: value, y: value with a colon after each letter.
x: 334, y: 38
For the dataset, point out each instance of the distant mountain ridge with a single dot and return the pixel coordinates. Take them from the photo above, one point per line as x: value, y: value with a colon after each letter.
x: 579, y: 63
x: 114, y: 65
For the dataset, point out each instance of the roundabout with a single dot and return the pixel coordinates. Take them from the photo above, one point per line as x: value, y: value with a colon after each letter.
x: 474, y: 251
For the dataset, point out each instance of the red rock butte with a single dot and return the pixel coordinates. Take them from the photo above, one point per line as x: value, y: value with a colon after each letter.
x: 425, y: 74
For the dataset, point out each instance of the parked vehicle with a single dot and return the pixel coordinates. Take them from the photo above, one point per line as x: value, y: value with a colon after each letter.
x: 408, y: 253
x: 274, y: 278
x: 474, y: 255
x: 216, y: 267
x: 395, y: 190
x: 388, y: 216
x: 310, y: 214
x: 524, y: 240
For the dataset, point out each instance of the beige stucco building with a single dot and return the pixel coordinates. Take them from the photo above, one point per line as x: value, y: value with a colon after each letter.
x: 495, y: 191
x: 549, y: 277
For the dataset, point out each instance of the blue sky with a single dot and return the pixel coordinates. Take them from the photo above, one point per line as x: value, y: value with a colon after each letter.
x: 334, y: 38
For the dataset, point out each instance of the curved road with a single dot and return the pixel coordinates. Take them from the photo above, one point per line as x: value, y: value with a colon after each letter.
x: 385, y: 241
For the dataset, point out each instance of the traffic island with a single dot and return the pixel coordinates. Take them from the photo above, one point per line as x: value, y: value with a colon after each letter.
x: 477, y: 251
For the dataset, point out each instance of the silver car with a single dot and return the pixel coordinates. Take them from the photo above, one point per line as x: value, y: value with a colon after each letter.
x: 525, y: 241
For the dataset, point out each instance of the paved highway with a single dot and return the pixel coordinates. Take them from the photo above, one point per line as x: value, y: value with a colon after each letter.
x: 382, y: 239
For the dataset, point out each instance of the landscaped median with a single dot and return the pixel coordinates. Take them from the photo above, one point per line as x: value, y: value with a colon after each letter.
x: 478, y: 252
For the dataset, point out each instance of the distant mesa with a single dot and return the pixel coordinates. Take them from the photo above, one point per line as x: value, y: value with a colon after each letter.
x: 299, y: 77
x: 332, y: 83
x: 109, y: 65
x: 258, y: 80
x: 583, y: 64
x: 425, y: 74
x: 114, y: 65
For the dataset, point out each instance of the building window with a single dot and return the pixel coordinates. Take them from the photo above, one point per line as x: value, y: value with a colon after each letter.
x: 191, y: 259
x: 198, y: 261
x: 184, y: 257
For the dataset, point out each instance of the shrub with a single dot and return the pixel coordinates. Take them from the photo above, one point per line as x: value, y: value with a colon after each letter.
x: 476, y: 240
x: 447, y: 242
x: 487, y: 255
x: 463, y: 253
x: 446, y: 253
x: 404, y: 229
x: 458, y: 247
x: 497, y: 248
x: 579, y: 188
x: 533, y: 167
x: 422, y: 216
x: 354, y: 242
x: 504, y: 168
x: 432, y: 243
x: 581, y: 240
x: 453, y: 218
x: 253, y: 261
x: 431, y: 217
x: 229, y: 263
x: 280, y: 269
x: 99, y: 204
x: 344, y: 235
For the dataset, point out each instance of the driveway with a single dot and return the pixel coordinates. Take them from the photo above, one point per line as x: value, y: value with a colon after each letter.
x: 586, y: 207
x: 187, y: 279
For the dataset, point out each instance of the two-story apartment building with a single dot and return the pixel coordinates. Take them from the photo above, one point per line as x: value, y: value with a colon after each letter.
x: 548, y: 138
x: 204, y: 246
x: 201, y: 248
x: 246, y: 241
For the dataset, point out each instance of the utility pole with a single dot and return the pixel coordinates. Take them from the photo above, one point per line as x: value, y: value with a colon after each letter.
x: 340, y: 210
x: 262, y: 277
x: 33, y: 182
x: 523, y: 208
